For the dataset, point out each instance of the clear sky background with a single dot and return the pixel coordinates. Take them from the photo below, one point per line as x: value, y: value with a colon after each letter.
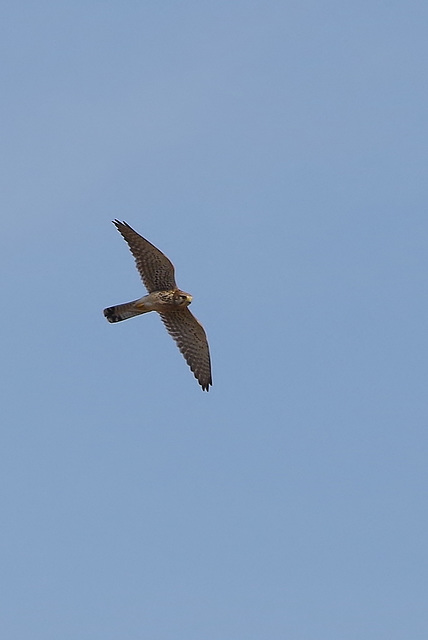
x: 277, y: 152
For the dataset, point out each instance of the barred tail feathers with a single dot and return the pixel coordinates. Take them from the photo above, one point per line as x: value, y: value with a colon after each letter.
x: 123, y: 311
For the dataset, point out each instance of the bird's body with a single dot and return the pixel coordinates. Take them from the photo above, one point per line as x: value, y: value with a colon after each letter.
x: 157, y: 273
x: 160, y: 301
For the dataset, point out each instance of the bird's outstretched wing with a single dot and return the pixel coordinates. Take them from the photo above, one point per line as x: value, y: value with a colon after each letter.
x: 191, y: 339
x: 156, y: 271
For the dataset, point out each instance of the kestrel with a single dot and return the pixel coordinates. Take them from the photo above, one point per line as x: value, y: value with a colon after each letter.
x: 157, y: 273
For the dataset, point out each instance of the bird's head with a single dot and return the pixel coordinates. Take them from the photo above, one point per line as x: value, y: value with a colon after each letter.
x: 182, y: 299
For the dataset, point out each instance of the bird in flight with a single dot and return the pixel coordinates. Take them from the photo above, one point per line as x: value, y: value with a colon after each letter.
x: 157, y: 274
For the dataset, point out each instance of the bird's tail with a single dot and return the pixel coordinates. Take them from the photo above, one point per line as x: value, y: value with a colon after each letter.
x: 124, y: 311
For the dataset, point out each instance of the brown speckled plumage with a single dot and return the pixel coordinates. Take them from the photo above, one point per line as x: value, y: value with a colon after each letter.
x: 157, y: 273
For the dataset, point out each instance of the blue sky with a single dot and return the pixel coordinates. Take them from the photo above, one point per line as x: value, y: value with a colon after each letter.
x: 277, y: 153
